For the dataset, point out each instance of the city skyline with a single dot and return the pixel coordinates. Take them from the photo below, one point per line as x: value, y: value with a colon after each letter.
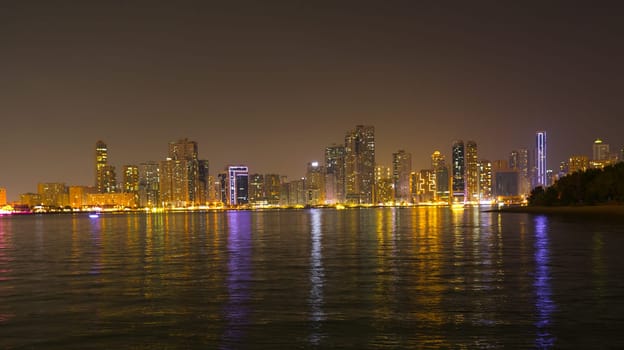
x: 271, y: 85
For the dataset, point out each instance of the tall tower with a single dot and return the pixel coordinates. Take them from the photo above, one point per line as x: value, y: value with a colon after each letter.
x: 131, y: 179
x: 335, y: 174
x: 401, y: 170
x: 360, y: 165
x: 101, y: 161
x: 315, y: 184
x: 540, y: 159
x: 438, y: 164
x: 472, y: 172
x: 149, y: 185
x: 519, y: 161
x: 485, y: 180
x: 185, y: 168
x: 237, y: 185
x: 458, y: 172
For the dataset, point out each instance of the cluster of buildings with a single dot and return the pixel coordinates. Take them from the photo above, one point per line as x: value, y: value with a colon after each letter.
x: 349, y: 175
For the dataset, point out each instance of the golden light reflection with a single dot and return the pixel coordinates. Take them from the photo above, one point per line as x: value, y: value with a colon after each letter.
x: 428, y: 266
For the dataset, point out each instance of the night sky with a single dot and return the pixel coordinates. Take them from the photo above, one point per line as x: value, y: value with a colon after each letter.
x: 271, y: 84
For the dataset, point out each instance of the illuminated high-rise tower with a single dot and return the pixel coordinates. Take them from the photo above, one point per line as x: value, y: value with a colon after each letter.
x: 458, y: 172
x: 237, y: 185
x: 315, y: 184
x: 131, y: 179
x: 471, y: 189
x: 184, y: 166
x: 519, y: 160
x: 360, y: 165
x: 335, y: 174
x: 438, y: 164
x: 401, y: 170
x: 149, y: 185
x: 101, y: 161
x: 485, y: 180
x: 540, y: 160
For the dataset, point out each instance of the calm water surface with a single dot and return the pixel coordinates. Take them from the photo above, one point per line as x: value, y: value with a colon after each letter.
x: 360, y: 278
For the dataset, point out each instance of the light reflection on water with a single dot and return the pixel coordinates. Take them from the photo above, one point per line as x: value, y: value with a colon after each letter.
x: 382, y: 278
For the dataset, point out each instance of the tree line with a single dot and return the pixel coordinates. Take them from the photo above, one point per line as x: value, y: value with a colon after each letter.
x: 589, y: 187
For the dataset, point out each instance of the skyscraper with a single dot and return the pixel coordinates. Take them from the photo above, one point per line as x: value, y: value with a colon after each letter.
x: 149, y: 185
x: 577, y: 163
x: 540, y: 160
x: 519, y: 161
x: 183, y: 154
x: 203, y: 182
x: 438, y: 164
x: 335, y: 174
x: 384, y: 188
x: 600, y: 150
x: 3, y: 196
x: 458, y: 172
x: 360, y: 165
x: 472, y: 172
x: 238, y: 185
x: 105, y: 179
x: 315, y: 184
x: 174, y: 183
x: 256, y: 188
x: 485, y: 180
x: 401, y: 170
x: 272, y: 188
x: 131, y: 179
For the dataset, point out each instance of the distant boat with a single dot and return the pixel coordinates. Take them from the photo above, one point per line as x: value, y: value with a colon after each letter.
x: 94, y: 215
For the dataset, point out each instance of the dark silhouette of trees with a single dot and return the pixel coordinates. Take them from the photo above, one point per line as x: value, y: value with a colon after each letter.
x: 593, y: 186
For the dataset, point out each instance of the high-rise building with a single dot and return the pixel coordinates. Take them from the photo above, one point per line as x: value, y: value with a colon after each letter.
x: 384, y: 187
x: 471, y: 162
x: 600, y: 150
x: 541, y: 178
x: 425, y: 184
x: 238, y: 185
x: 458, y: 172
x: 183, y: 154
x: 105, y: 178
x: 438, y: 164
x: 485, y: 180
x: 315, y: 184
x: 401, y: 170
x: 360, y: 165
x: 272, y: 188
x: 149, y: 185
x: 174, y: 183
x: 256, y: 189
x: 101, y: 161
x: 203, y: 181
x: 335, y: 174
x: 519, y: 161
x: 577, y: 163
x: 131, y: 179
x: 3, y: 196
x: 221, y: 184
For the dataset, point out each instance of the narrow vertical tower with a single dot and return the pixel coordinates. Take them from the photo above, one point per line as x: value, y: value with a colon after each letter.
x: 458, y: 172
x: 101, y: 161
x: 540, y: 159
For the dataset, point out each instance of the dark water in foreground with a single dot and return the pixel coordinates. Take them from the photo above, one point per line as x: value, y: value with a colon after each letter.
x: 362, y: 278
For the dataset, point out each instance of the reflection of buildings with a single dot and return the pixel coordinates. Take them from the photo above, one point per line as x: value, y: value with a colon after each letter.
x: 544, y: 304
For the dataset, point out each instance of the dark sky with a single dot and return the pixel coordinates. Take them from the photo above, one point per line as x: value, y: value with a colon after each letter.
x: 270, y: 84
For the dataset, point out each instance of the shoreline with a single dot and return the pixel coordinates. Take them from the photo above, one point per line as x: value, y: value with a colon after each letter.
x: 605, y: 209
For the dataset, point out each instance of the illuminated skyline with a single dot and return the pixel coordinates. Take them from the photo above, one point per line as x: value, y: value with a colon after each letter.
x: 271, y: 84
